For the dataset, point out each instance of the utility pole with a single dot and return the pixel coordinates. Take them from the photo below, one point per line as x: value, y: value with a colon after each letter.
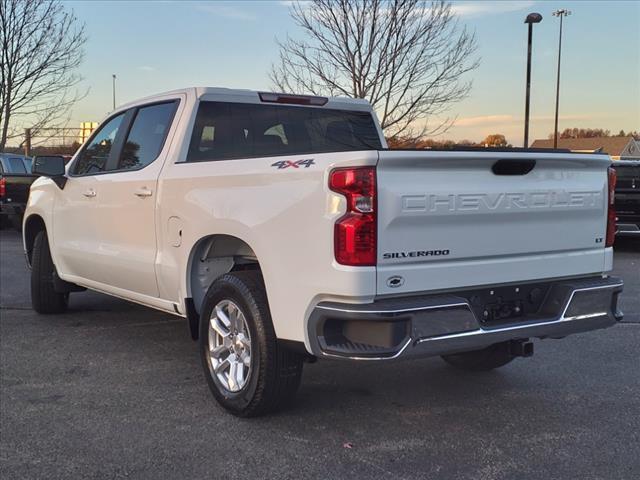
x: 27, y: 142
x: 563, y: 12
x: 531, y: 19
x: 114, y: 90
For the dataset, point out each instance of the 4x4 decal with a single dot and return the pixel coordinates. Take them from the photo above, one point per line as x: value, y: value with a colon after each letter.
x: 307, y: 162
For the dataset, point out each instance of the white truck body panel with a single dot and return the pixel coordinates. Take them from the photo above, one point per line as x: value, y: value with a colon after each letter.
x: 289, y: 229
x: 477, y: 228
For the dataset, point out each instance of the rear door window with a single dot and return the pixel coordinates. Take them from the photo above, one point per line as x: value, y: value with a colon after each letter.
x: 146, y: 136
x: 225, y: 130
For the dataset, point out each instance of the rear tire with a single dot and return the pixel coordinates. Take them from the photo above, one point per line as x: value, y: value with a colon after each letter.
x: 236, y: 328
x: 44, y: 297
x: 494, y: 356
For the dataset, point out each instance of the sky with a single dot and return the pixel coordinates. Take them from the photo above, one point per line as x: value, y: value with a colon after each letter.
x: 158, y: 46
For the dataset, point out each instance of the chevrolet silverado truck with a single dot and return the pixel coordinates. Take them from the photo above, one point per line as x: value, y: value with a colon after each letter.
x: 627, y: 200
x: 283, y: 229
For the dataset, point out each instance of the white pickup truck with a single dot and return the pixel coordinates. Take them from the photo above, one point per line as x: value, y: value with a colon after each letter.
x: 283, y: 230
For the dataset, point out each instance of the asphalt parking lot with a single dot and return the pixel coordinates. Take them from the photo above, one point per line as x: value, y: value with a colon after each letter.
x: 114, y: 390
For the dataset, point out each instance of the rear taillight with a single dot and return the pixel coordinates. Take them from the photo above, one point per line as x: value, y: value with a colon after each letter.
x: 611, y: 210
x: 3, y: 188
x: 356, y: 231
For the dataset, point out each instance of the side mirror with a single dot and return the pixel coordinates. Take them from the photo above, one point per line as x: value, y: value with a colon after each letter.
x: 51, y: 166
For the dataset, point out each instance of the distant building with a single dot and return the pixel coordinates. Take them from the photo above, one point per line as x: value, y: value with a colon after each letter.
x: 86, y: 128
x: 616, y: 147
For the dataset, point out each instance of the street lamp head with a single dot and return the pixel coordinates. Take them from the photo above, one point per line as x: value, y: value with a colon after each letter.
x: 533, y: 18
x: 561, y: 12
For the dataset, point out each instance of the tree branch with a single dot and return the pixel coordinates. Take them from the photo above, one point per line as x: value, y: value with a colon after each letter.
x: 409, y: 58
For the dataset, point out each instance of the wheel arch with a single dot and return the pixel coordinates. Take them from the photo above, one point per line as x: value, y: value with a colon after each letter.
x: 32, y: 226
x: 211, y: 257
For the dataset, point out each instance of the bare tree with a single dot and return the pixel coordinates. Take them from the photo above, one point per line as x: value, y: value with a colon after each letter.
x: 407, y: 57
x: 42, y: 46
x: 495, y: 140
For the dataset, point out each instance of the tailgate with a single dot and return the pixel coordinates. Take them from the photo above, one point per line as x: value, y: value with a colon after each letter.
x: 451, y: 220
x: 17, y: 188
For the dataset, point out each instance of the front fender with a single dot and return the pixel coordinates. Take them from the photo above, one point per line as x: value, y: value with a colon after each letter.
x: 40, y: 205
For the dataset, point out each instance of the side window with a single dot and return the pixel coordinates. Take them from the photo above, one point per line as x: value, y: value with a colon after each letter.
x: 16, y: 165
x: 93, y: 159
x: 146, y: 137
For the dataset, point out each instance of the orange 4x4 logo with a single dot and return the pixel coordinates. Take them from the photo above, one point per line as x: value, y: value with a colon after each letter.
x: 306, y: 163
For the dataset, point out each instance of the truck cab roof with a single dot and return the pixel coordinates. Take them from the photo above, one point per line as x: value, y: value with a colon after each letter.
x: 252, y: 96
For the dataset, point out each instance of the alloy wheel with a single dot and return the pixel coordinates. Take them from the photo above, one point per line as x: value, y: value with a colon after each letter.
x: 229, y: 346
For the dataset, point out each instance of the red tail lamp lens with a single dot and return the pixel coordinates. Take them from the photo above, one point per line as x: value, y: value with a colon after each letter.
x: 355, y: 234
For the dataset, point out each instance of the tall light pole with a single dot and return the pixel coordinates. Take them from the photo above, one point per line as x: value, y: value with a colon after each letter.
x: 531, y: 19
x: 114, y: 90
x: 563, y: 12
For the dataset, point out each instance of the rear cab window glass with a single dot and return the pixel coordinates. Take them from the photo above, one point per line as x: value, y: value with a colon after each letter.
x: 146, y: 136
x: 225, y: 130
x: 93, y: 159
x: 15, y: 165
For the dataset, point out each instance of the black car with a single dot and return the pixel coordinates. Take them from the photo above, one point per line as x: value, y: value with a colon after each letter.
x: 628, y: 197
x: 15, y: 182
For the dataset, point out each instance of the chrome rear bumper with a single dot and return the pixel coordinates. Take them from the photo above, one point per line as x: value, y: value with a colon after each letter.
x: 443, y: 324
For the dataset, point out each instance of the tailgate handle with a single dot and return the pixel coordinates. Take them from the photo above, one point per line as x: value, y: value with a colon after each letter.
x: 513, y: 166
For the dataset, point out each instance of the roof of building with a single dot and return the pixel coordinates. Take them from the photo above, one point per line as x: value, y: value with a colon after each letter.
x: 612, y: 145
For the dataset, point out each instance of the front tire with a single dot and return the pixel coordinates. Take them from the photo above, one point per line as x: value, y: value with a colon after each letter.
x: 247, y: 371
x: 44, y: 298
x: 494, y: 356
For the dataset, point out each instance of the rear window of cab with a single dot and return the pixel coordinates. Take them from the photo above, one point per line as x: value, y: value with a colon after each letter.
x: 224, y: 131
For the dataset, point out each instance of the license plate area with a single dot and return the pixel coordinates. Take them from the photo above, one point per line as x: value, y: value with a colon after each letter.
x: 510, y: 304
x: 505, y: 310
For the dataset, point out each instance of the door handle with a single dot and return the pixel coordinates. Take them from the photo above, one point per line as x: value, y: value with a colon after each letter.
x: 143, y: 192
x: 89, y: 193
